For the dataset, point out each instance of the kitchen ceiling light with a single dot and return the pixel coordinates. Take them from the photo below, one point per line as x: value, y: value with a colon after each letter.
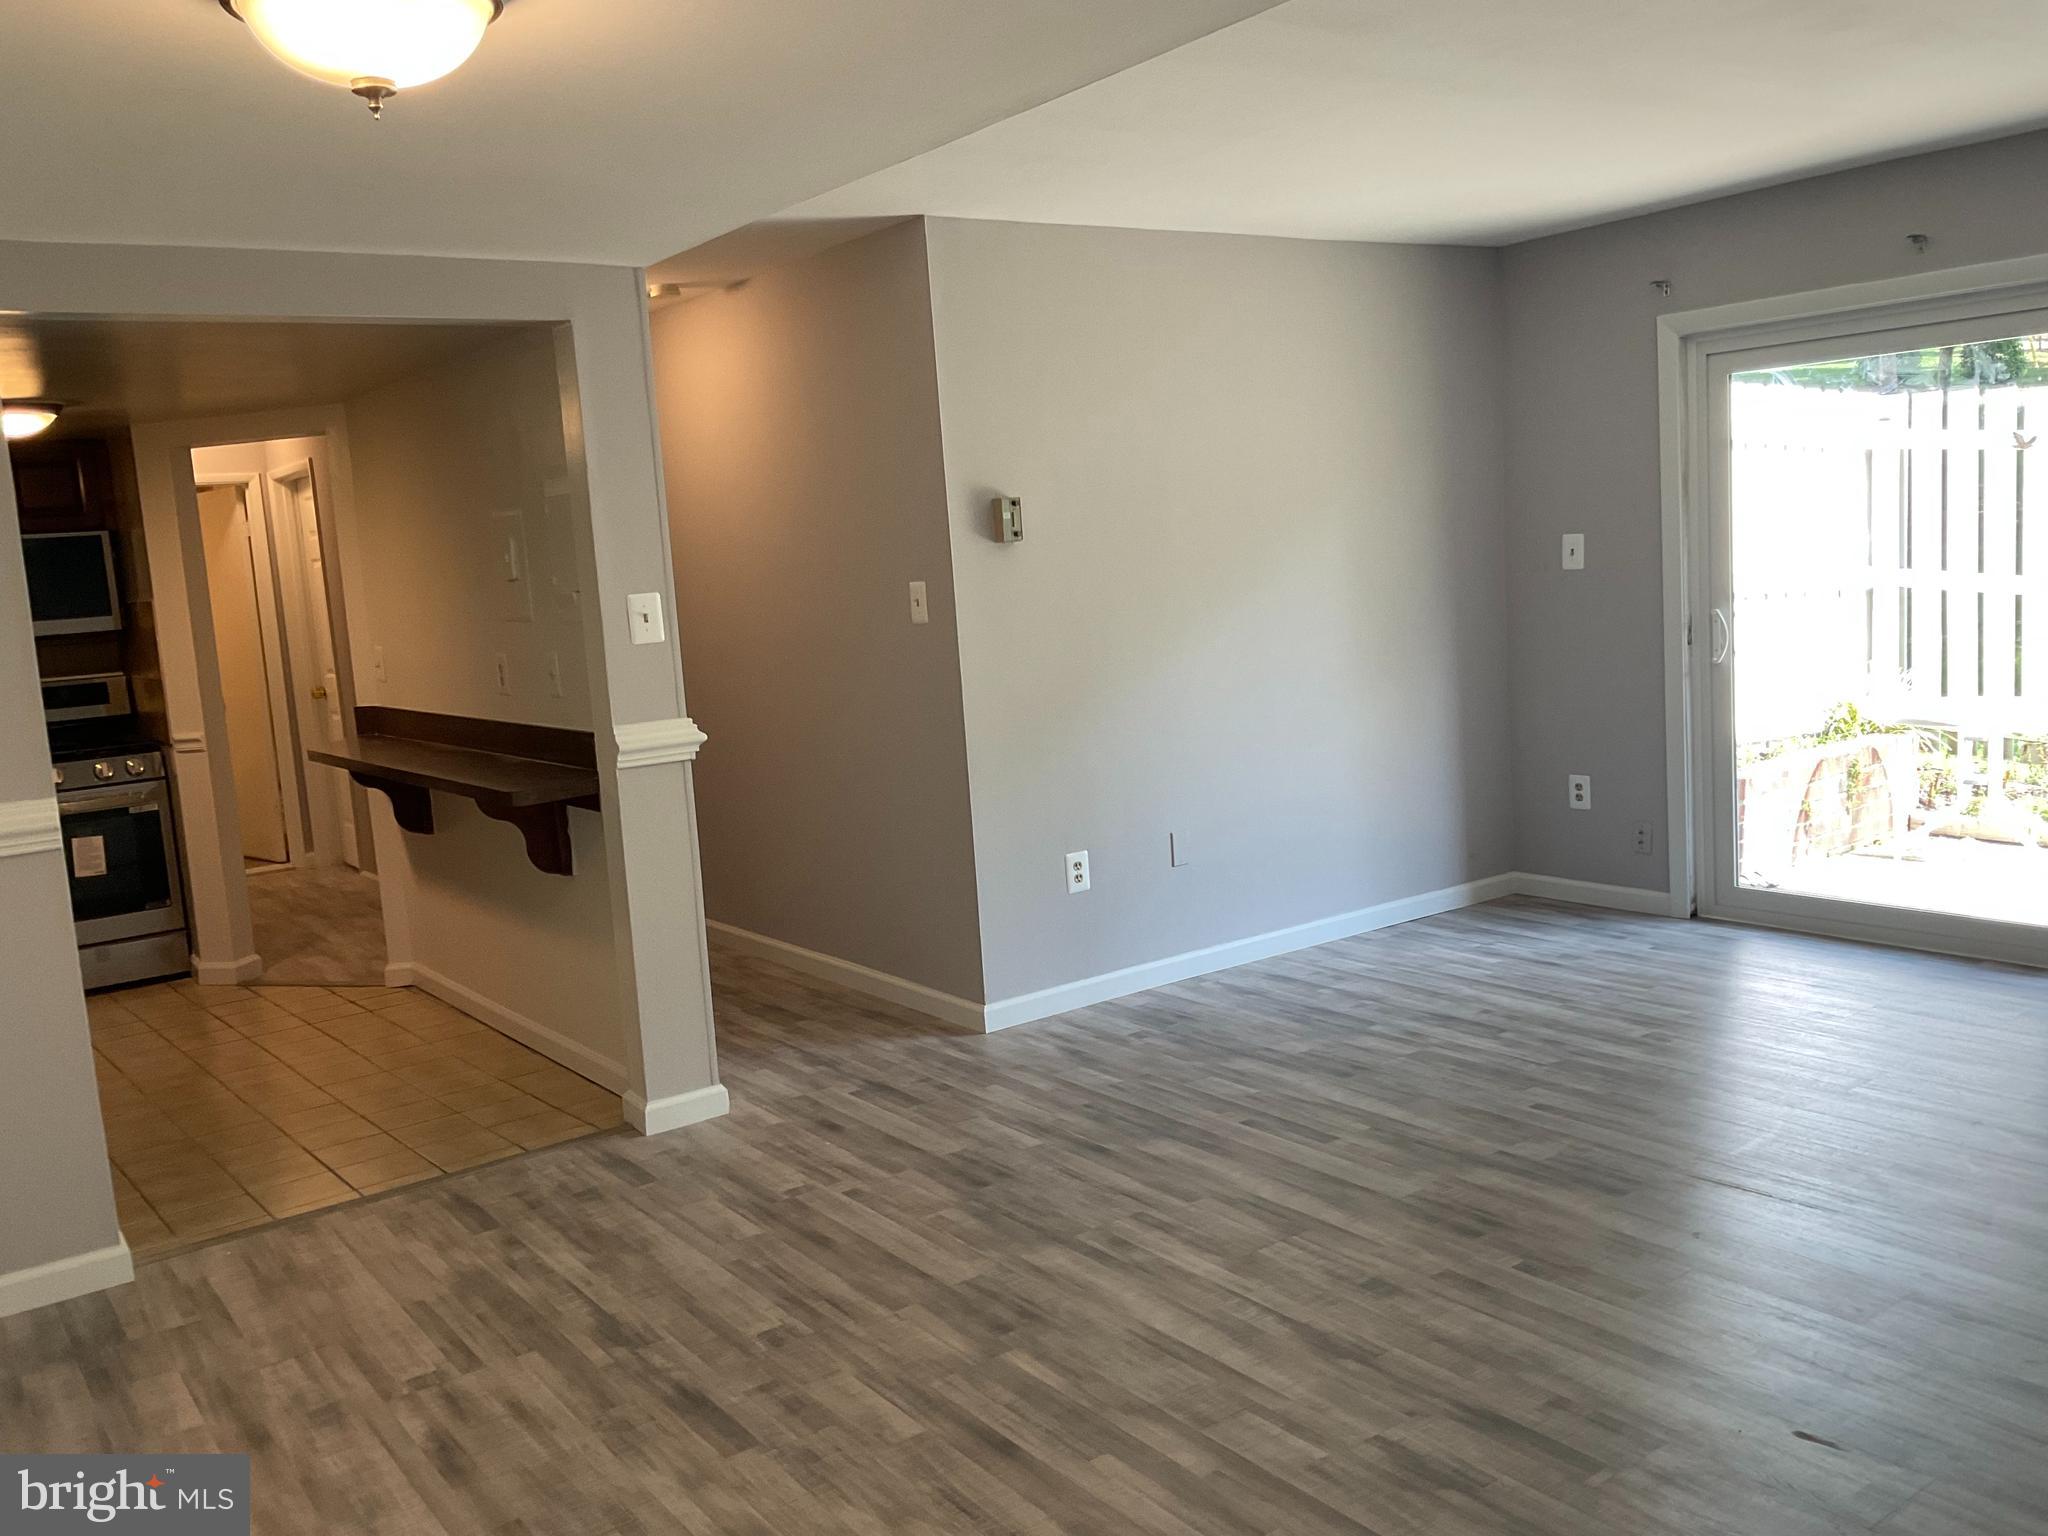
x: 25, y: 418
x: 375, y: 48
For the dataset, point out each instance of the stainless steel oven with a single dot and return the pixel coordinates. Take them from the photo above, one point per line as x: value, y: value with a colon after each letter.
x: 120, y: 841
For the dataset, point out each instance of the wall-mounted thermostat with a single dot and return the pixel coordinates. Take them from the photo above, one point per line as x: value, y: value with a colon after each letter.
x: 1009, y: 512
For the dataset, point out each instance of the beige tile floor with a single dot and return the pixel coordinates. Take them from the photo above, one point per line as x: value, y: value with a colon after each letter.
x: 230, y: 1107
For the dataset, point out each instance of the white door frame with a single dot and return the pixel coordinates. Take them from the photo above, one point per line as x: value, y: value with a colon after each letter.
x: 277, y: 661
x: 329, y: 804
x: 1687, y: 342
x: 209, y: 826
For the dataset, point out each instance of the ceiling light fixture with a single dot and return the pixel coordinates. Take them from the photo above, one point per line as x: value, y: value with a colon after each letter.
x: 25, y: 418
x: 375, y: 48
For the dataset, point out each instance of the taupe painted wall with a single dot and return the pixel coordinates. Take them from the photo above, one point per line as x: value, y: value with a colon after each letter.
x: 436, y: 456
x: 800, y: 431
x: 1260, y: 598
x: 1581, y: 364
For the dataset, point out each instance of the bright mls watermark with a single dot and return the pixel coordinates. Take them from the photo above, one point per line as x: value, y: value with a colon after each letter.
x: 163, y: 1495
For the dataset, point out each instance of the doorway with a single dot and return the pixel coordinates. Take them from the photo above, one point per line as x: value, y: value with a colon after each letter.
x: 246, y: 639
x: 315, y: 909
x: 1872, y: 716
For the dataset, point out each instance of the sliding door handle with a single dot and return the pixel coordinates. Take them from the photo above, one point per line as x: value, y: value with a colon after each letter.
x: 1724, y: 636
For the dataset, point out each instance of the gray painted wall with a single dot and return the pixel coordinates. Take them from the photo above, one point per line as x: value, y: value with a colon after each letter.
x: 1581, y: 365
x: 800, y: 430
x: 1260, y: 597
x: 56, y: 1194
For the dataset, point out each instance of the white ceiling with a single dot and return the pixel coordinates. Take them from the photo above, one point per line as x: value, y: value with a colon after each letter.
x: 616, y: 132
x: 113, y: 372
x: 1476, y: 121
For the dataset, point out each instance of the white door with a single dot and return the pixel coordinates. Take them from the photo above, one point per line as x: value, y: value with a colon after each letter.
x: 298, y: 519
x: 246, y: 661
x: 1875, y: 731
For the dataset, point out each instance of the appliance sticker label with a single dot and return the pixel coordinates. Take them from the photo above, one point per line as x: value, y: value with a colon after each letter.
x: 88, y: 857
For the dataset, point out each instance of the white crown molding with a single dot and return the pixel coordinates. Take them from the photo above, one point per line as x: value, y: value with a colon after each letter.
x: 648, y: 742
x: 29, y: 826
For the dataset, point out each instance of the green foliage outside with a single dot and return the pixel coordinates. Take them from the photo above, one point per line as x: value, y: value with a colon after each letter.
x: 1985, y: 364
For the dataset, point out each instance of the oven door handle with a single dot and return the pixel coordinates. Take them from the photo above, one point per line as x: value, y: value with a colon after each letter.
x: 80, y: 802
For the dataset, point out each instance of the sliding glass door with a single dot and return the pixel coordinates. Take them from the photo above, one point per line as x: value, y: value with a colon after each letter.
x: 1874, y: 666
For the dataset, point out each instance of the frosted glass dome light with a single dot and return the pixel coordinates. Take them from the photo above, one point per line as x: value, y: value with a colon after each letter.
x: 375, y: 48
x: 25, y: 418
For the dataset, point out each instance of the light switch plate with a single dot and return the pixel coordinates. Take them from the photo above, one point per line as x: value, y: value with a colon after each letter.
x: 644, y: 620
x: 515, y: 591
x: 1177, y: 849
x: 920, y: 605
x: 1575, y: 551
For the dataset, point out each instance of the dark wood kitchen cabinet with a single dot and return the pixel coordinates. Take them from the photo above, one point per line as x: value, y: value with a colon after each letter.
x: 63, y: 485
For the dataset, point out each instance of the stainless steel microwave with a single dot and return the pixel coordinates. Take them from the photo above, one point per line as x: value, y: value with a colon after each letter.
x: 71, y: 587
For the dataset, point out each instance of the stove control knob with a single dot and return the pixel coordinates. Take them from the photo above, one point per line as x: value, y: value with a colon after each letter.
x: 103, y: 770
x: 136, y: 767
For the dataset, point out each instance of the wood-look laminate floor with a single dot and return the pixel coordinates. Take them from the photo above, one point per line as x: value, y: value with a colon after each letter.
x: 1521, y: 1219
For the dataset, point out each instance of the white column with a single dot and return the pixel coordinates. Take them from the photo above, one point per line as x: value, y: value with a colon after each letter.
x: 58, y: 1233
x: 646, y: 741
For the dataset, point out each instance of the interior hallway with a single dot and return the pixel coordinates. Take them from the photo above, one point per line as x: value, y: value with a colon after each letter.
x: 1521, y: 1217
x: 319, y: 926
x: 230, y: 1107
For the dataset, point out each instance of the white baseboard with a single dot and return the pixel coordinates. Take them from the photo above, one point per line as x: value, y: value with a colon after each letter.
x: 63, y: 1279
x: 226, y: 973
x: 915, y: 996
x: 552, y: 1044
x: 653, y: 1118
x: 1032, y: 1006
x: 1586, y: 893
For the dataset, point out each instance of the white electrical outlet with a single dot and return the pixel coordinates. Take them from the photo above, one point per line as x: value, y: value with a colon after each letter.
x: 920, y: 607
x: 1077, y: 872
x: 1579, y: 791
x: 555, y: 673
x: 377, y: 662
x: 503, y: 669
x: 1575, y: 551
x: 1645, y: 840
